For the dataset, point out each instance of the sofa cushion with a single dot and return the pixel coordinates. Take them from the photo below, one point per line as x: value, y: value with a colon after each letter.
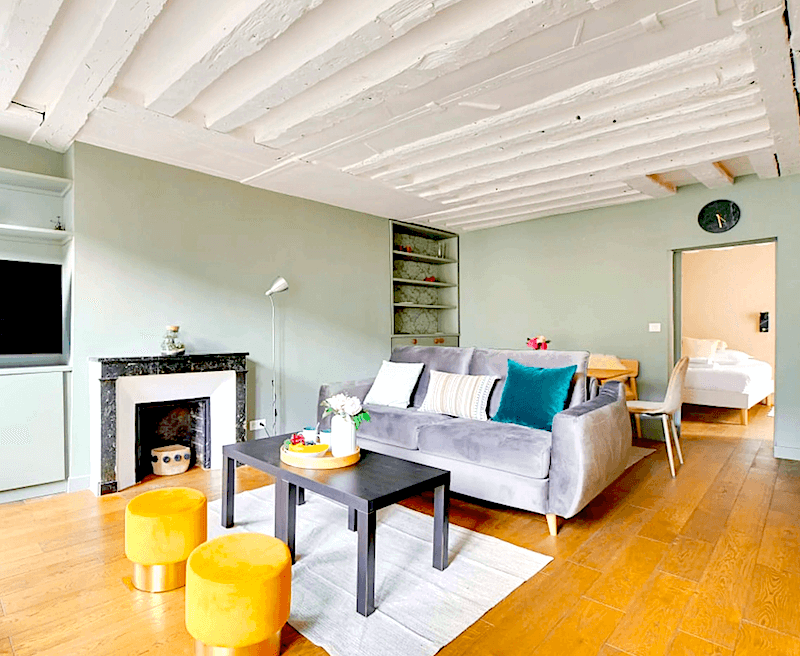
x: 441, y: 358
x: 459, y: 395
x: 534, y: 395
x: 506, y: 447
x: 397, y: 426
x: 495, y: 363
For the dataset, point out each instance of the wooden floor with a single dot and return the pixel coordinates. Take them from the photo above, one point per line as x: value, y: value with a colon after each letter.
x: 705, y: 564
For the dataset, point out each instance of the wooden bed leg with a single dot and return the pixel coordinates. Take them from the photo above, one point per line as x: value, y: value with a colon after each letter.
x: 552, y: 524
x: 744, y: 416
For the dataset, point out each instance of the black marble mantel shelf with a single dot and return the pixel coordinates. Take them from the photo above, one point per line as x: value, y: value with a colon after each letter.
x: 112, y: 368
x: 150, y: 365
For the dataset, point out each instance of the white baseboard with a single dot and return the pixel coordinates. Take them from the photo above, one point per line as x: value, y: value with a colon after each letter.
x: 33, y: 491
x: 786, y: 452
x: 76, y: 483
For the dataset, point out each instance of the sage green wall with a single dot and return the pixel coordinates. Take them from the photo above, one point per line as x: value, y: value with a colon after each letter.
x: 157, y: 245
x: 24, y: 157
x: 594, y: 280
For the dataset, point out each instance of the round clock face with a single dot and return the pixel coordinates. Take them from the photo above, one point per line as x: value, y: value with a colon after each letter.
x: 719, y: 216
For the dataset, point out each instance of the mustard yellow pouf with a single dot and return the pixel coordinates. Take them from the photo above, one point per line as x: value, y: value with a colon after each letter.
x: 238, y: 593
x: 162, y: 527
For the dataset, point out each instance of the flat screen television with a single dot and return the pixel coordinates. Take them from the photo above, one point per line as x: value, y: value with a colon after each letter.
x: 31, y: 314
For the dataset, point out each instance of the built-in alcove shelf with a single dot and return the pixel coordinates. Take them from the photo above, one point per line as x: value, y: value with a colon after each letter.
x: 425, y: 335
x: 26, y: 233
x: 37, y: 182
x: 419, y: 257
x: 422, y: 283
x: 422, y: 305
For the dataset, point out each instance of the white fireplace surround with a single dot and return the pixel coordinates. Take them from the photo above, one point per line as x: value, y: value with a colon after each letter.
x: 218, y: 386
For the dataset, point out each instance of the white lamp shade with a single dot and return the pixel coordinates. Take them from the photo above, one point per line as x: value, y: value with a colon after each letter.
x: 278, y: 285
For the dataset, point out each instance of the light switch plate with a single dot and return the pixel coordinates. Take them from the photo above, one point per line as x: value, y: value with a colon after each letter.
x: 655, y: 327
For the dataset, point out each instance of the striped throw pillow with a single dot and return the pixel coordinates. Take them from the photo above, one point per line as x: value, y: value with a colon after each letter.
x: 458, y: 395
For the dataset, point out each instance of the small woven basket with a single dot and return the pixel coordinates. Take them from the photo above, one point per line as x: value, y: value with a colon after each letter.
x: 171, y: 460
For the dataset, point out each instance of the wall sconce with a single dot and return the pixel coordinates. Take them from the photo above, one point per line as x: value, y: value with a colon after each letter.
x: 763, y: 322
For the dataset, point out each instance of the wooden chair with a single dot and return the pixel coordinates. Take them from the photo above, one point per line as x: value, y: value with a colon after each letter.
x: 667, y: 409
x: 631, y: 392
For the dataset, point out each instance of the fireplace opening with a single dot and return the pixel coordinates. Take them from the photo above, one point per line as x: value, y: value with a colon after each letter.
x: 162, y: 423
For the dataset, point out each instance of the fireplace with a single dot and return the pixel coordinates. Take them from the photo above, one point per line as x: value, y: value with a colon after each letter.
x: 162, y: 423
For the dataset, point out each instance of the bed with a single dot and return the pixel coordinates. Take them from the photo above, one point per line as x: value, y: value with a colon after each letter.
x: 728, y: 379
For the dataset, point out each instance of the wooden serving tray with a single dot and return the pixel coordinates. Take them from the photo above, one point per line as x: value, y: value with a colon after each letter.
x: 323, y: 462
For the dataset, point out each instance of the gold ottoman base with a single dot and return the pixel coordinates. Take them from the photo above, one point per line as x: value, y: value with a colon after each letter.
x: 269, y: 647
x: 159, y: 578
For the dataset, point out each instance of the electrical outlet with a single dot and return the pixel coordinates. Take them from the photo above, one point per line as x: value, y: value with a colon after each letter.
x: 654, y: 327
x: 255, y: 424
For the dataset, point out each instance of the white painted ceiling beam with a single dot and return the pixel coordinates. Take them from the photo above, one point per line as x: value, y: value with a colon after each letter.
x: 712, y: 174
x: 764, y: 164
x: 729, y: 143
x: 538, y: 208
x: 21, y: 36
x: 576, y: 144
x: 763, y: 23
x: 339, y: 33
x: 651, y: 186
x: 464, y: 33
x: 610, y: 153
x: 199, y: 59
x: 95, y: 72
x: 566, y: 209
x: 673, y: 73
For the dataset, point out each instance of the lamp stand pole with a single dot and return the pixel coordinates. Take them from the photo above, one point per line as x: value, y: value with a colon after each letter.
x: 274, y: 377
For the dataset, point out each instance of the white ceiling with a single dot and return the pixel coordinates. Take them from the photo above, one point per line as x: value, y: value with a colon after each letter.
x: 463, y: 114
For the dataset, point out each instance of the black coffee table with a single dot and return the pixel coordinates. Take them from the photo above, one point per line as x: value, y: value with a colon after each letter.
x: 374, y: 482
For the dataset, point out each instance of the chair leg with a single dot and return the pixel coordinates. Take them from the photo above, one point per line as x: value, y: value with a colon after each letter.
x: 637, y: 420
x: 675, y: 438
x: 668, y: 439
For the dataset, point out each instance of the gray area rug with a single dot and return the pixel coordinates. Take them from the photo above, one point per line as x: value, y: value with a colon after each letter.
x: 419, y: 609
x: 637, y: 453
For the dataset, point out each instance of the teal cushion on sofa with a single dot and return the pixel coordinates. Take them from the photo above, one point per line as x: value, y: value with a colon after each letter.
x: 532, y: 396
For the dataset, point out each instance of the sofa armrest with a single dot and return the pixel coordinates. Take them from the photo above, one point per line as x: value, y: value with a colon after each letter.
x: 357, y: 388
x: 591, y: 443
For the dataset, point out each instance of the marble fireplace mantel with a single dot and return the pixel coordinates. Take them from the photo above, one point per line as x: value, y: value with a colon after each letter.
x: 118, y: 383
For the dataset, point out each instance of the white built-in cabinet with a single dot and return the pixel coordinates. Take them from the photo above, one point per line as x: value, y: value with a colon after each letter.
x: 33, y: 426
x: 424, y: 312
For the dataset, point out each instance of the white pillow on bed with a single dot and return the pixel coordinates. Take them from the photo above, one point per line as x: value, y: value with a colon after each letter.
x: 730, y: 356
x: 698, y: 348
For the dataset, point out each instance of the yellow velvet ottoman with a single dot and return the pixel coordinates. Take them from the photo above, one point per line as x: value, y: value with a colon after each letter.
x: 162, y: 527
x: 238, y: 593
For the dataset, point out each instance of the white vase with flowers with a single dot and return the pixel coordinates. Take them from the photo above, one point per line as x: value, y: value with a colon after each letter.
x: 348, y: 415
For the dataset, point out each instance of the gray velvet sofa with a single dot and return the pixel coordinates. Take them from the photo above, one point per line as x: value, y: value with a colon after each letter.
x: 553, y: 473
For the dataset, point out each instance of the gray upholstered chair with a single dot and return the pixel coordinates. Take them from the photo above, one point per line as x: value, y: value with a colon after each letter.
x: 666, y: 409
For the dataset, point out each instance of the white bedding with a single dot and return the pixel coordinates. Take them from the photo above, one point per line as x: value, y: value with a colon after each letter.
x: 743, y: 377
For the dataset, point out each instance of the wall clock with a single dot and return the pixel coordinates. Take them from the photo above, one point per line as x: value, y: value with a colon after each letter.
x: 719, y: 216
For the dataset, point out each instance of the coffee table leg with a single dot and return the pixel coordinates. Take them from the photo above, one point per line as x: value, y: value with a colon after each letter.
x: 351, y: 519
x: 365, y: 594
x: 228, y: 490
x: 441, y: 525
x: 285, y: 513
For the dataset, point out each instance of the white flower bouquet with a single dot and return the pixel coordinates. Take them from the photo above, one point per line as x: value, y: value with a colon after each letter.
x: 347, y: 407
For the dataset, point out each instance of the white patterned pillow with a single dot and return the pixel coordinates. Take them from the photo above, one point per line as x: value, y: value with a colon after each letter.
x: 459, y: 395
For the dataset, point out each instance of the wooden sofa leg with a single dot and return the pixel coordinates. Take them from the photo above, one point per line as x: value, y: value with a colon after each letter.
x: 744, y: 416
x: 552, y: 524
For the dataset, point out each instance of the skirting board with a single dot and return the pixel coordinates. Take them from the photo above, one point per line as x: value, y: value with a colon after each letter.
x: 33, y: 491
x: 76, y: 483
x: 786, y: 452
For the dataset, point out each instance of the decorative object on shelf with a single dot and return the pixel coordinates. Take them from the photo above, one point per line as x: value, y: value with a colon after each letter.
x: 430, y: 279
x: 170, y: 460
x: 719, y: 216
x: 172, y: 344
x: 538, y: 343
x: 58, y: 224
x: 441, y: 249
x: 278, y: 285
x: 348, y: 415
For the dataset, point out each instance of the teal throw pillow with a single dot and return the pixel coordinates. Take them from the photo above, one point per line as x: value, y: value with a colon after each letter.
x: 532, y: 396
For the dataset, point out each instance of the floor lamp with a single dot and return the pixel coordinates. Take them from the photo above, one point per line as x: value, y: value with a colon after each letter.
x: 278, y: 285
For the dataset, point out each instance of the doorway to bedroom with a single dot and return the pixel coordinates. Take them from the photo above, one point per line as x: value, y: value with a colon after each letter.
x: 725, y: 323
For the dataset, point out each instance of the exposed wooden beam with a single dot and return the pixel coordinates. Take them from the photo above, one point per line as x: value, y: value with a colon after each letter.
x: 763, y: 23
x: 449, y: 41
x: 712, y: 174
x: 201, y: 59
x: 764, y: 164
x: 95, y: 72
x: 652, y: 186
x: 20, y: 39
x: 338, y: 34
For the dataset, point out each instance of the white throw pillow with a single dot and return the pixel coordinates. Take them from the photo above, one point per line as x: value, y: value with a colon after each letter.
x: 729, y: 356
x: 459, y: 395
x: 698, y: 348
x: 394, y: 384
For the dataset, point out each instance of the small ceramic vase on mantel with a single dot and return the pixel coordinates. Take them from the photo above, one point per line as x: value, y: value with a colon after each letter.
x: 343, y: 436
